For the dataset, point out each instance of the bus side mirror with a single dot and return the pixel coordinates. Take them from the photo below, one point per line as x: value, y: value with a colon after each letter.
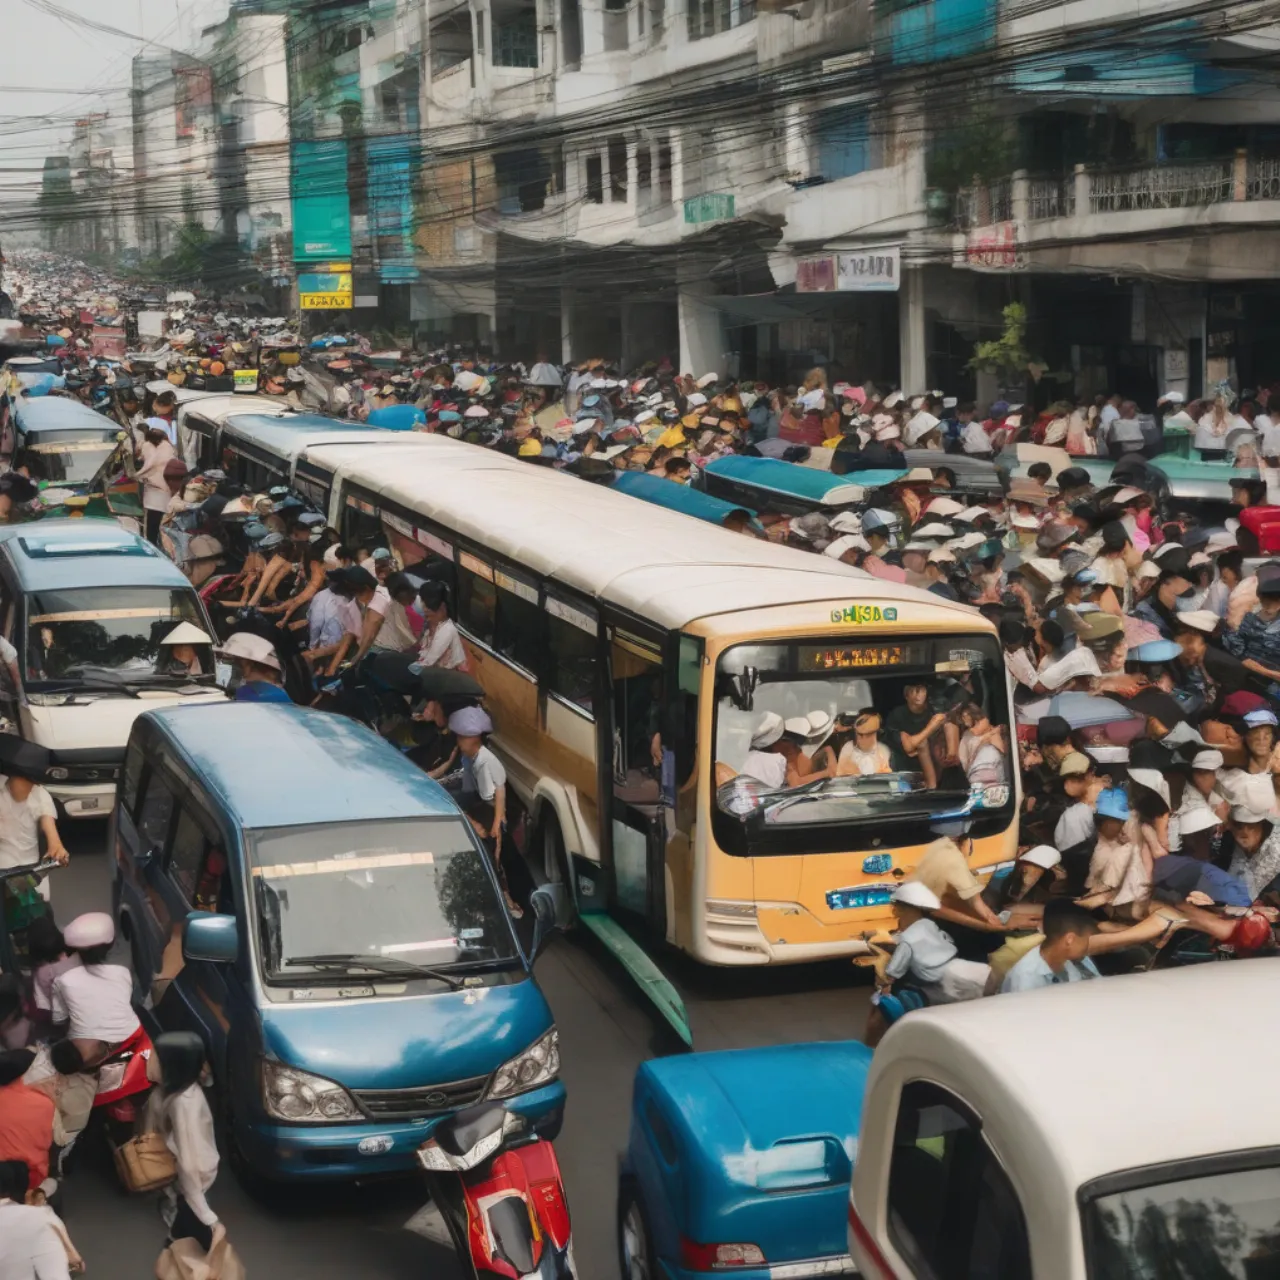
x: 543, y: 904
x: 206, y: 936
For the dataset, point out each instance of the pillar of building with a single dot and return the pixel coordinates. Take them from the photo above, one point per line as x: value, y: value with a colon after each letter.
x: 912, y: 345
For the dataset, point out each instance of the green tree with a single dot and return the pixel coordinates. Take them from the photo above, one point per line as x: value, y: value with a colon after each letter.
x: 1008, y: 356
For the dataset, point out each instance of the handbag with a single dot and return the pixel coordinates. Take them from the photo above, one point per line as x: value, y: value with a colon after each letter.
x: 186, y: 1260
x: 145, y: 1163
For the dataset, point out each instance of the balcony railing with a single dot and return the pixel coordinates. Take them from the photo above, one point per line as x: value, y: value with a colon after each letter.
x: 981, y: 206
x: 1141, y: 189
x: 1050, y: 198
x: 1161, y: 186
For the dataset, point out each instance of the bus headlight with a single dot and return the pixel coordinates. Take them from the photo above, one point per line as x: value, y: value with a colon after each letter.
x: 301, y: 1098
x: 539, y: 1064
x: 57, y: 773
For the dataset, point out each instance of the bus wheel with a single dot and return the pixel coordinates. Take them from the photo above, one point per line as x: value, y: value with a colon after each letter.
x: 555, y: 865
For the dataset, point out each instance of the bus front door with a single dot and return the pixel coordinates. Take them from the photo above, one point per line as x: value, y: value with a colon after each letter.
x: 637, y: 773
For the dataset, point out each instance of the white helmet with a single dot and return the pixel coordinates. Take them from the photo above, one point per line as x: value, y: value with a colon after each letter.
x: 244, y: 644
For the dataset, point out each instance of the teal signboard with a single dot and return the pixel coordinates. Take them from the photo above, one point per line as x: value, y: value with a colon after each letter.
x: 321, y: 209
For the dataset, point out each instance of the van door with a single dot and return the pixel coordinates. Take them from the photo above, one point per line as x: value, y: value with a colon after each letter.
x: 637, y: 771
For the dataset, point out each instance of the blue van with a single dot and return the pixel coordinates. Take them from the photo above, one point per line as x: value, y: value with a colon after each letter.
x: 322, y: 914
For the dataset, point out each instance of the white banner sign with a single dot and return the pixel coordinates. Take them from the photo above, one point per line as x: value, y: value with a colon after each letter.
x: 875, y: 270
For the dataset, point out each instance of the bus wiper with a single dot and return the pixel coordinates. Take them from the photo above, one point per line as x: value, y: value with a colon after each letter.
x: 376, y: 964
x: 492, y: 965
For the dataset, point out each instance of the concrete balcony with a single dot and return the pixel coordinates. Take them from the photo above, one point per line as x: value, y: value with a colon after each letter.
x: 1135, y: 219
x: 877, y: 203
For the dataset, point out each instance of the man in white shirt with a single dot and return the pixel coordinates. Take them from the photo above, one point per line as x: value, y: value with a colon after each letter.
x: 1063, y: 956
x: 26, y: 810
x: 30, y: 1247
x: 94, y: 1001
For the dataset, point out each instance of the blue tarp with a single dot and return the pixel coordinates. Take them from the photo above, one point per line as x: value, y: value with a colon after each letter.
x: 397, y: 417
x: 675, y: 497
x: 794, y: 481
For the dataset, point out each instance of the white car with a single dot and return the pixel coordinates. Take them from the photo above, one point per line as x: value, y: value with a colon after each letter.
x: 1121, y: 1129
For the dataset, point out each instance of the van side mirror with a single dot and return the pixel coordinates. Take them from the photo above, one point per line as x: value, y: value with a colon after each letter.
x: 543, y: 904
x: 206, y: 936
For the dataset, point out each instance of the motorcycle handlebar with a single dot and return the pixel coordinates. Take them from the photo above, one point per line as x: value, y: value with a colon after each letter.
x: 30, y: 869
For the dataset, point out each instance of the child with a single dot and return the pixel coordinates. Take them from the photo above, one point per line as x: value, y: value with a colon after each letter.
x: 484, y: 786
x: 1119, y: 870
x: 927, y: 956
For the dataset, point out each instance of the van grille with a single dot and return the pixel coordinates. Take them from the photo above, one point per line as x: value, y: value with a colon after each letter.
x: 405, y: 1104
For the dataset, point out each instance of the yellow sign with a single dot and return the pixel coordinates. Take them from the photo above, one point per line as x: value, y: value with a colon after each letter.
x: 861, y: 614
x: 325, y: 301
x: 326, y: 290
x: 245, y: 380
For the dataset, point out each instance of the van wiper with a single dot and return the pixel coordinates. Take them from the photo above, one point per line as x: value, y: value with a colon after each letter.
x: 376, y: 964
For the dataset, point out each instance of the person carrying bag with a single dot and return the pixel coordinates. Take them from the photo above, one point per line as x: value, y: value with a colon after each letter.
x: 179, y: 1112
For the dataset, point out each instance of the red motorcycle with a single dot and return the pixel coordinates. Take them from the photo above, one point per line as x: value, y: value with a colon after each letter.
x: 123, y: 1086
x: 497, y: 1186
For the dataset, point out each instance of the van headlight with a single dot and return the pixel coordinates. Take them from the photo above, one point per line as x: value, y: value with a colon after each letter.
x: 301, y: 1098
x: 539, y: 1064
x: 57, y: 773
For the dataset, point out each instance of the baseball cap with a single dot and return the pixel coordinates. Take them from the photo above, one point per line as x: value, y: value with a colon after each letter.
x: 1074, y: 764
x: 1113, y: 804
x: 1264, y: 716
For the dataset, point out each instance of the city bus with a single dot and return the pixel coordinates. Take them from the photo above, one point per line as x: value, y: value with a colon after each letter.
x: 630, y: 654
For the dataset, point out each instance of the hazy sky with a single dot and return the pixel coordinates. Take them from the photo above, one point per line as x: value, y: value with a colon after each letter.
x: 45, y: 53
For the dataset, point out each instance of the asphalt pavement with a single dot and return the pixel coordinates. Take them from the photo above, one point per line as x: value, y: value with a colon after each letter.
x: 606, y: 1031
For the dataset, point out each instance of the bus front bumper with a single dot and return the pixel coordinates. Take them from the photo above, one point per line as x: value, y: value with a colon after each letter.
x: 786, y: 934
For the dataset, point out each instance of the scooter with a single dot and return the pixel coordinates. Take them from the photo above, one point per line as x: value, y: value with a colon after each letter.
x: 496, y: 1184
x: 123, y: 1086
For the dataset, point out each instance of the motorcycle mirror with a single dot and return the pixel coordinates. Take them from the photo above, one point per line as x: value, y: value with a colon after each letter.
x: 543, y: 903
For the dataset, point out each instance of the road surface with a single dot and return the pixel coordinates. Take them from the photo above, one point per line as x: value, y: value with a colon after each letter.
x: 366, y: 1232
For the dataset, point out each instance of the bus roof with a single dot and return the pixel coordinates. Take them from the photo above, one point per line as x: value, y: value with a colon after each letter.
x: 1095, y: 1074
x: 275, y: 765
x: 659, y: 564
x: 59, y: 413
x: 54, y: 555
x: 287, y: 435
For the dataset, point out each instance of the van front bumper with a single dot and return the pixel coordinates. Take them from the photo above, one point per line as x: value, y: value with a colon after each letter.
x: 90, y: 800
x: 333, y: 1152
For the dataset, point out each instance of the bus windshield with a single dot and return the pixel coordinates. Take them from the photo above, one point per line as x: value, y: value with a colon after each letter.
x: 816, y: 734
x: 68, y: 457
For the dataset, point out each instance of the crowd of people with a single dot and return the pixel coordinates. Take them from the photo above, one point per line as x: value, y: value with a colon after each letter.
x: 1141, y: 641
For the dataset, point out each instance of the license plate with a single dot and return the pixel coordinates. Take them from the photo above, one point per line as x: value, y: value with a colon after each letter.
x: 91, y: 802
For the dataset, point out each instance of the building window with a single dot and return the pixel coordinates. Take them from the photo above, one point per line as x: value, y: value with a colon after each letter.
x: 644, y: 173
x: 710, y: 17
x: 515, y: 34
x: 665, y: 188
x: 522, y: 178
x: 618, y: 169
x: 616, y: 17
x: 595, y: 180
x: 842, y: 141
x: 451, y: 42
x: 571, y: 33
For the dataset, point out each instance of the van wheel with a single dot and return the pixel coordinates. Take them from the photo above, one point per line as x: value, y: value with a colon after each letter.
x: 635, y: 1241
x: 555, y: 864
x: 254, y: 1184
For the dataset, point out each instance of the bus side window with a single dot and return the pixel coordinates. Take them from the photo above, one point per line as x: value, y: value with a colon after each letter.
x: 571, y: 652
x: 517, y: 631
x: 477, y: 598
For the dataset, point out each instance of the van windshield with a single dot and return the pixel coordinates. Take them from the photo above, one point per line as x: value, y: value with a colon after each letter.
x: 105, y: 636
x: 813, y: 735
x: 1224, y: 1224
x: 415, y: 890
